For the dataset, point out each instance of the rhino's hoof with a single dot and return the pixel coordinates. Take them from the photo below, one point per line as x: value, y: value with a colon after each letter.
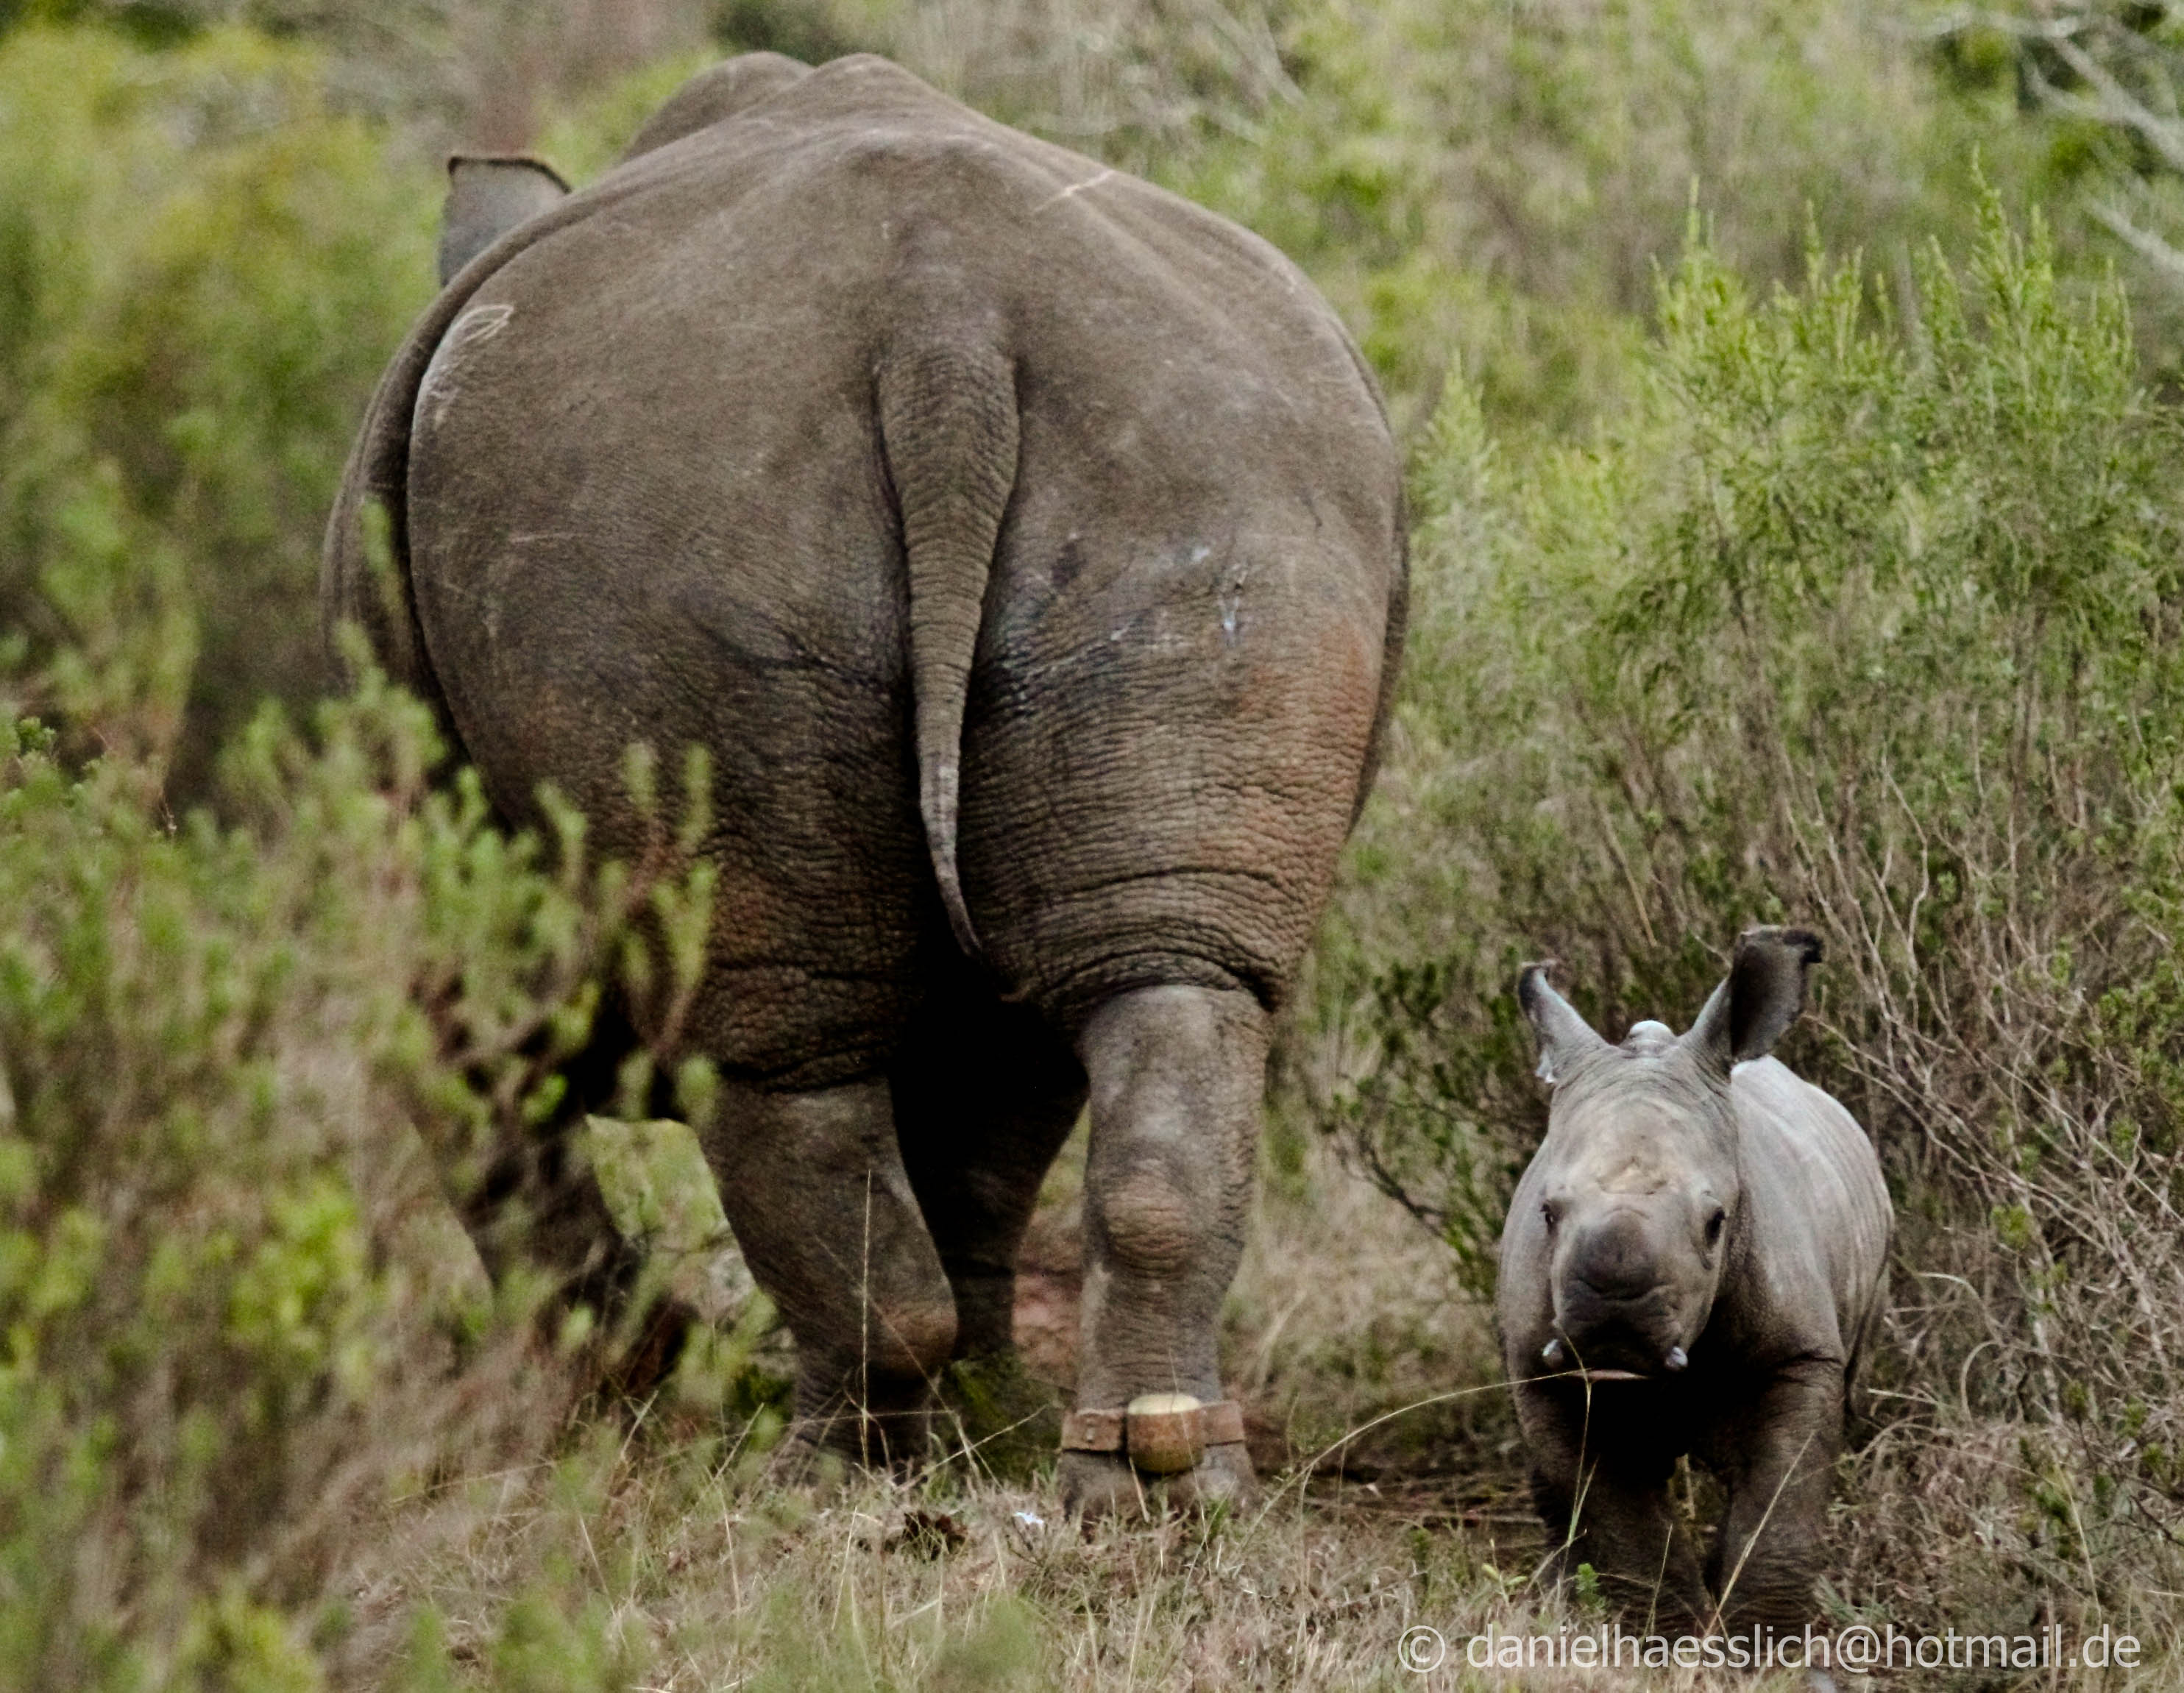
x: 1097, y: 1484
x: 802, y: 1462
x: 827, y: 1448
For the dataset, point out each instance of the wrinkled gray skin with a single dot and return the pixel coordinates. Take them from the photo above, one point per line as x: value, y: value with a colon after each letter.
x: 1690, y: 1265
x: 1025, y: 545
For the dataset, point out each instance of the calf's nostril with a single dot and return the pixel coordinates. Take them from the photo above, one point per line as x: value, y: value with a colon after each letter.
x: 1617, y: 1289
x: 1615, y: 1259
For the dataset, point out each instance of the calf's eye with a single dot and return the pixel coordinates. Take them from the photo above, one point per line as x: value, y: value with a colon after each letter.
x: 1552, y: 1212
x: 1713, y: 1226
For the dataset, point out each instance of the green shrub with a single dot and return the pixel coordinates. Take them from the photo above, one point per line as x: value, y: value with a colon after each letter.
x: 1867, y: 625
x: 1487, y: 187
x: 234, y: 1311
x: 2092, y: 86
x: 202, y: 269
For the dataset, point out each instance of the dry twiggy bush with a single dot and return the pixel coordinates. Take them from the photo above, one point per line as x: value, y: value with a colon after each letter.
x: 1871, y: 626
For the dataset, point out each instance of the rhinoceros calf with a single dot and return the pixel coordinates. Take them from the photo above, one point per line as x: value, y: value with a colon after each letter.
x: 1025, y: 545
x: 1692, y: 1264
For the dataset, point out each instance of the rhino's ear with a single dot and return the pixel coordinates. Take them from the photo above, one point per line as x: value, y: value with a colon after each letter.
x: 489, y: 194
x: 1764, y: 992
x: 1565, y: 1038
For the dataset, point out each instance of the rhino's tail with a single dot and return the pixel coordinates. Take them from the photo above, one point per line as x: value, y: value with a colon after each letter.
x: 948, y: 426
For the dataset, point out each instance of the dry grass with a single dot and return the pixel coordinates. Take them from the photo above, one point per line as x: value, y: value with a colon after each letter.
x: 670, y: 1539
x: 661, y: 1550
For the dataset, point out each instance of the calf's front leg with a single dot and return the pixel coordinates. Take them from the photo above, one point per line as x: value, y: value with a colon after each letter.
x: 1776, y: 1458
x: 1600, y: 1481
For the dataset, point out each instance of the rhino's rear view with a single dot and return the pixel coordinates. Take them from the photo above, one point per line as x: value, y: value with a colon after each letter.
x: 1024, y: 545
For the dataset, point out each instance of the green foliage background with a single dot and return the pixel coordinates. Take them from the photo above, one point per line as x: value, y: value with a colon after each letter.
x: 1797, y: 538
x: 204, y: 266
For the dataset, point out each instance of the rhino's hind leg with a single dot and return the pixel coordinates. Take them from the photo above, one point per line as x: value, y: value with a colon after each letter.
x: 984, y: 1094
x: 532, y: 1202
x: 814, y: 1186
x: 1176, y: 1077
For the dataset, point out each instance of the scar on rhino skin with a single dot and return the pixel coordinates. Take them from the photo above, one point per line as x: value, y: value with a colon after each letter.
x: 468, y: 332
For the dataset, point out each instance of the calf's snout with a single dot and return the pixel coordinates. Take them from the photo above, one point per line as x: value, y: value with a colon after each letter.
x: 1616, y: 1302
x: 1614, y: 1258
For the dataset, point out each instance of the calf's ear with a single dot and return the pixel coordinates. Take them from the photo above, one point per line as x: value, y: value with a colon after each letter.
x: 1762, y: 997
x: 1565, y: 1038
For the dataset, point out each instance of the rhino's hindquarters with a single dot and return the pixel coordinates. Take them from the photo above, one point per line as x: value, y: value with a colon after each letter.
x: 662, y: 488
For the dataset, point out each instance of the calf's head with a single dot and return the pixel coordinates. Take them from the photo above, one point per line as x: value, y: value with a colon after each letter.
x: 1637, y: 1184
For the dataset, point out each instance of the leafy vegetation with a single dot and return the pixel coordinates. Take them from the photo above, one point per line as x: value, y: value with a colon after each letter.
x: 1752, y: 584
x: 1871, y: 626
x: 204, y: 266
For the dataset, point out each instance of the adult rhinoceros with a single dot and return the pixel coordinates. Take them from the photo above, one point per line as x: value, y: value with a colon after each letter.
x: 1025, y: 545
